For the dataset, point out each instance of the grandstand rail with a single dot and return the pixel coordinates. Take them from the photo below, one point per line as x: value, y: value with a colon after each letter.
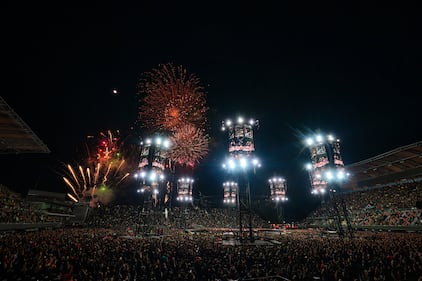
x: 402, y: 163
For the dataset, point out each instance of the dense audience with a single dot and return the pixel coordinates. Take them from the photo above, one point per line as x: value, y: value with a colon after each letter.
x: 15, y: 208
x: 123, y: 242
x: 393, y: 205
x: 124, y: 216
x: 101, y: 254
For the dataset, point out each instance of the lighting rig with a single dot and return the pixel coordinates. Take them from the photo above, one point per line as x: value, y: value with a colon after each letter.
x: 239, y: 164
x: 152, y: 166
x: 278, y: 188
x: 327, y: 173
x: 184, y: 189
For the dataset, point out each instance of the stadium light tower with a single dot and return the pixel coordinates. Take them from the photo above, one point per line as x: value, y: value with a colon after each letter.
x: 184, y: 190
x: 241, y: 149
x: 152, y: 168
x: 242, y: 166
x: 318, y: 184
x: 231, y: 194
x: 241, y: 135
x: 326, y: 171
x: 278, y: 190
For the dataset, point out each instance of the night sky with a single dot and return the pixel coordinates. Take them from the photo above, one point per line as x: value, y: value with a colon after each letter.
x: 353, y: 71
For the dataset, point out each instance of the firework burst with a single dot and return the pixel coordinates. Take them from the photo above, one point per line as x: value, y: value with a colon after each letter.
x: 96, y: 183
x: 189, y: 146
x: 172, y: 98
x: 104, y: 148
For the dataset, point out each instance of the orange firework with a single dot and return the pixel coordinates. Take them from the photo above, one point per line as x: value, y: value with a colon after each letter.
x: 189, y: 146
x: 171, y: 98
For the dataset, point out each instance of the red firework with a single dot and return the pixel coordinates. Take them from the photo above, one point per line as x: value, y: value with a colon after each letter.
x: 172, y: 98
x: 188, y: 146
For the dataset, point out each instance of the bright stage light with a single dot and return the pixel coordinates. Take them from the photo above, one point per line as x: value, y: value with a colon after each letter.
x: 232, y: 164
x: 239, y: 121
x: 329, y: 175
x: 319, y: 138
x: 278, y: 189
x: 309, y: 141
x: 276, y: 180
x: 308, y: 166
x: 243, y: 162
x: 158, y: 141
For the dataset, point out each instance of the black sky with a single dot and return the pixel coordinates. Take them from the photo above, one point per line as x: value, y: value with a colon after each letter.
x: 349, y: 70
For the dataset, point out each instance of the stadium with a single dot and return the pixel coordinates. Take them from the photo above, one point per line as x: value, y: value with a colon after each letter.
x: 46, y: 236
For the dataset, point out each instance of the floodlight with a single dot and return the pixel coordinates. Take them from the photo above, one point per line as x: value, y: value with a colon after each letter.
x: 319, y: 138
x: 232, y: 164
x: 309, y: 141
x: 243, y: 162
x: 166, y: 143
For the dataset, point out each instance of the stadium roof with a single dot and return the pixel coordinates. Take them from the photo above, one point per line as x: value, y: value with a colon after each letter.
x: 15, y: 135
x: 402, y: 163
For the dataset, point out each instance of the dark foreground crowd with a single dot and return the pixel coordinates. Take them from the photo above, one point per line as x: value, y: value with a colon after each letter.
x: 101, y: 254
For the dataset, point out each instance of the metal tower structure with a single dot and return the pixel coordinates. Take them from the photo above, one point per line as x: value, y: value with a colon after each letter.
x: 239, y: 163
x: 278, y: 188
x: 326, y: 174
x: 152, y: 172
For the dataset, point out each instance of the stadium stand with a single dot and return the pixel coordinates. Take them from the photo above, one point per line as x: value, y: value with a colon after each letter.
x: 16, y: 137
x: 403, y: 163
x: 384, y: 192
